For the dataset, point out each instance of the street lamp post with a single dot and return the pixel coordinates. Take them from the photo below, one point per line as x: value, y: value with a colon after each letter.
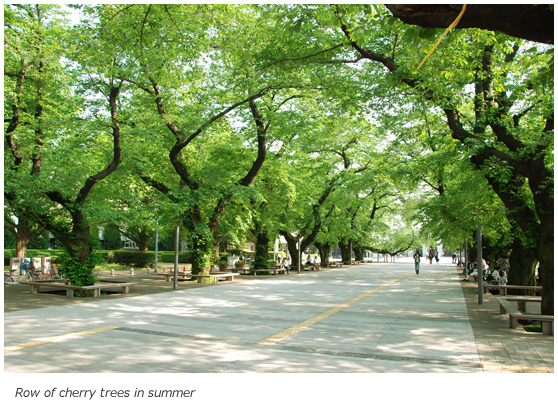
x: 299, y: 254
x: 479, y: 264
x: 156, y: 244
x: 176, y: 243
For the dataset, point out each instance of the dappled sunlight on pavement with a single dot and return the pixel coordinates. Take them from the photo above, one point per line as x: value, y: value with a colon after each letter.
x: 368, y: 318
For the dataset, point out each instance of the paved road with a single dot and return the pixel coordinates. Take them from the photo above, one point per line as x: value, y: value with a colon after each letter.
x: 369, y: 318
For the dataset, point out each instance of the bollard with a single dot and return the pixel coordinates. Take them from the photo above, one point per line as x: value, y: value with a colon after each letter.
x: 112, y: 272
x: 131, y: 271
x: 149, y: 271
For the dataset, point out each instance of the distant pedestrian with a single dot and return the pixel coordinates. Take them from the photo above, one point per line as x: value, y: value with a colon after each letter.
x: 437, y: 257
x: 416, y: 257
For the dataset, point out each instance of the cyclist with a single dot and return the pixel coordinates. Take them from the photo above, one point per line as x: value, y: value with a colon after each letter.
x: 416, y: 257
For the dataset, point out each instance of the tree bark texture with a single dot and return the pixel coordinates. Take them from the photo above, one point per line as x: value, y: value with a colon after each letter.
x: 526, y: 21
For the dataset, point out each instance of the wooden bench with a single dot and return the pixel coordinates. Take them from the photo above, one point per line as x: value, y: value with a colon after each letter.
x: 253, y: 272
x: 335, y: 265
x: 547, y: 321
x: 215, y: 276
x: 522, y: 301
x: 179, y: 275
x: 308, y: 268
x: 505, y: 288
x: 108, y: 284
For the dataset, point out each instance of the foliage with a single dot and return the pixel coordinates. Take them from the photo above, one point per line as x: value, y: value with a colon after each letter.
x: 132, y: 257
x: 79, y: 274
x: 168, y: 257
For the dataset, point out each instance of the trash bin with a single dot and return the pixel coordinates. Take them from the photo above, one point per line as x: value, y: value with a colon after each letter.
x: 15, y: 266
x: 36, y: 262
x: 46, y: 264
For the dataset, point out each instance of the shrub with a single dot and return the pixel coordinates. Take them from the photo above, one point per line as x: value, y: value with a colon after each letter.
x: 110, y: 257
x: 103, y: 254
x: 7, y: 255
x: 133, y: 257
x: 78, y: 273
x: 168, y: 257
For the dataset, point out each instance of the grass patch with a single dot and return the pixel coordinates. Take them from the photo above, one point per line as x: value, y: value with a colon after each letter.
x: 535, y: 327
x: 108, y: 266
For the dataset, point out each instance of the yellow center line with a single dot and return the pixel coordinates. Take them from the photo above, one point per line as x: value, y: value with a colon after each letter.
x: 57, y: 338
x: 272, y: 340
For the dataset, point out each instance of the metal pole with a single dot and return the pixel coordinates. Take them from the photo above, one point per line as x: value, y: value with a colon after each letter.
x: 350, y: 252
x: 466, y: 259
x: 479, y: 264
x: 298, y: 247
x: 156, y: 245
x: 176, y: 243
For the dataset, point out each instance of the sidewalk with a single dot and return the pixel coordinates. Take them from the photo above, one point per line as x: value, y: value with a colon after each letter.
x: 362, y: 323
x: 502, y: 349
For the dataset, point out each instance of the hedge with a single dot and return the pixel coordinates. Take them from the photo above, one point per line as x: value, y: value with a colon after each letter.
x: 7, y: 256
x: 168, y: 257
x: 131, y: 257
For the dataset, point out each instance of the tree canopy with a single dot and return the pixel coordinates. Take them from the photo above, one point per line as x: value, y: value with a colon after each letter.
x: 311, y: 122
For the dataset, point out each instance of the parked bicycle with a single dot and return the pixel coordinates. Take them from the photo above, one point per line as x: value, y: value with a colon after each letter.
x: 33, y: 274
x: 9, y: 280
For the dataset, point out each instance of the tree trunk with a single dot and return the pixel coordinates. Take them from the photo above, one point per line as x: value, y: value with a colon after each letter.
x: 345, y: 251
x: 325, y: 253
x: 143, y: 241
x: 262, y: 246
x: 21, y: 245
x: 24, y: 233
x: 545, y: 254
x: 359, y: 253
x: 522, y: 268
x: 201, y: 262
x: 293, y: 251
x: 78, y: 247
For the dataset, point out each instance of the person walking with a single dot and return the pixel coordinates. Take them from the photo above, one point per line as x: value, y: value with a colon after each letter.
x: 416, y: 257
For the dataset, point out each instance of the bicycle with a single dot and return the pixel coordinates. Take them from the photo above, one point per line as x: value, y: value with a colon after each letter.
x: 9, y: 280
x: 34, y: 275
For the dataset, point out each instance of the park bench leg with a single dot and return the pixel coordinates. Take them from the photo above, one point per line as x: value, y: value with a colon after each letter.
x: 34, y: 289
x: 521, y: 306
x: 126, y: 289
x: 70, y: 293
x: 96, y: 292
x: 547, y: 327
x: 502, y: 310
x: 513, y: 322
